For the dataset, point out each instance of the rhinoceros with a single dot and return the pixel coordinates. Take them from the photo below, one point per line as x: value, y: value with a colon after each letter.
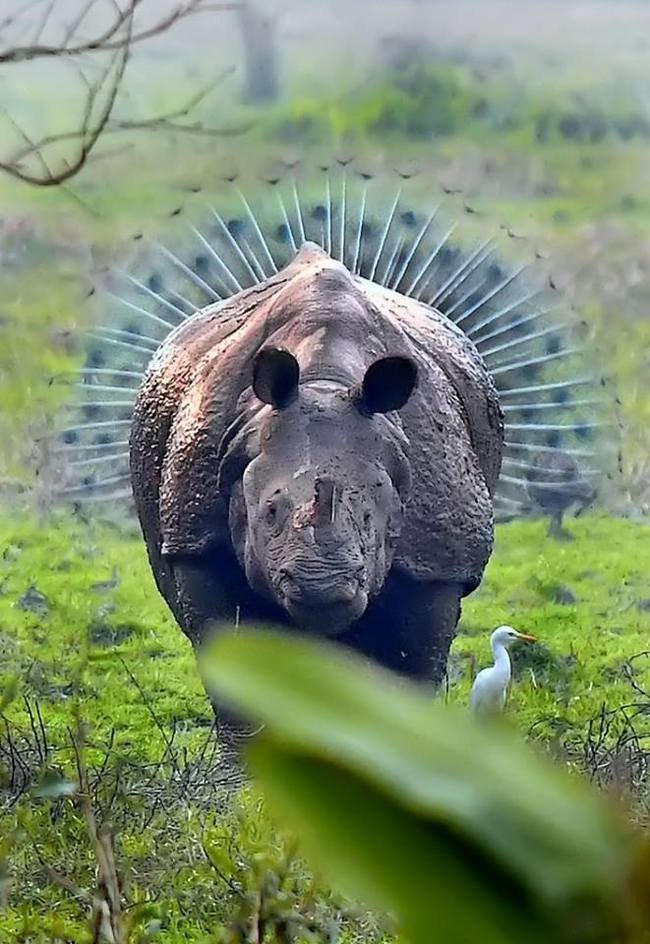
x: 320, y: 451
x: 326, y: 410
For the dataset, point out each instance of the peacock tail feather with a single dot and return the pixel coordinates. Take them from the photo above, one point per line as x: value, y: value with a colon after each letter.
x: 385, y: 227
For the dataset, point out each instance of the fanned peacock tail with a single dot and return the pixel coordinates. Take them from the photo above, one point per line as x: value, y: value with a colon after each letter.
x: 386, y: 228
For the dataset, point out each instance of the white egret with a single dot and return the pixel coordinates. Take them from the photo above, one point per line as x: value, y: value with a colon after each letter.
x: 491, y: 685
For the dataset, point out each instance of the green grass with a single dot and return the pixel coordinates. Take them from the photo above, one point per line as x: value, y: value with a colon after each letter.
x: 98, y: 588
x: 104, y: 648
x: 68, y: 568
x: 75, y: 567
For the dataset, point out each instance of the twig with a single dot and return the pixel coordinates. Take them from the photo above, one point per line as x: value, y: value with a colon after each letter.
x: 117, y: 39
x: 143, y: 695
x: 76, y: 23
x: 110, y: 38
x: 43, y: 21
x: 98, y: 43
x: 89, y: 134
x: 107, y: 904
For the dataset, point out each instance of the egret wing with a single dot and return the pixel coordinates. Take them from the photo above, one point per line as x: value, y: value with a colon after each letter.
x: 488, y: 693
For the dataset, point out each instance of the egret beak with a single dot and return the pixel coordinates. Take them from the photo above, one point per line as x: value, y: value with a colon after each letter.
x: 526, y: 638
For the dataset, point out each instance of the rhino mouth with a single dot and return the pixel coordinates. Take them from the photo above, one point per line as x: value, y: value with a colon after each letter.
x: 328, y: 614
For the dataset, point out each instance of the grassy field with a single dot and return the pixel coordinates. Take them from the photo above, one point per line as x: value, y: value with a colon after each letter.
x: 94, y: 650
x: 542, y: 126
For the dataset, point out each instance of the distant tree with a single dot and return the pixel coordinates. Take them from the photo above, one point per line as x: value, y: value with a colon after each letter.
x: 259, y: 39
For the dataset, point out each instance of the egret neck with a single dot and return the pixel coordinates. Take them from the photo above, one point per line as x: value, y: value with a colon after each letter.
x: 502, y: 670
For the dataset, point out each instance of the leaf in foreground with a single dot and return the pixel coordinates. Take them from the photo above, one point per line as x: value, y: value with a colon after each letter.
x: 459, y: 829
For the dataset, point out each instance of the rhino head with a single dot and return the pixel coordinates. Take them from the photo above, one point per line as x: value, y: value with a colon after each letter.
x: 315, y: 516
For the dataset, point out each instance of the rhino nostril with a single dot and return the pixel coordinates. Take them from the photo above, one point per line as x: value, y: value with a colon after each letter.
x: 287, y: 577
x: 289, y: 586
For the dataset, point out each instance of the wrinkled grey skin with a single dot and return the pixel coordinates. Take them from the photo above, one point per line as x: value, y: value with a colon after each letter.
x: 320, y: 452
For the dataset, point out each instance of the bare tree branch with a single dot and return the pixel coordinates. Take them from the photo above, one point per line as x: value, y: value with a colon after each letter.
x: 76, y: 23
x: 89, y: 133
x: 110, y: 38
x: 96, y: 44
x: 167, y: 122
x: 43, y: 21
x: 29, y: 162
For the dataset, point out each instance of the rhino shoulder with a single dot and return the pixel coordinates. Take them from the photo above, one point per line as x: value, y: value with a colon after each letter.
x: 442, y: 344
x: 454, y: 427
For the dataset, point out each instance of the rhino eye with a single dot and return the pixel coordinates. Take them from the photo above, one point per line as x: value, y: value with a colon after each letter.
x: 275, y: 512
x: 272, y: 513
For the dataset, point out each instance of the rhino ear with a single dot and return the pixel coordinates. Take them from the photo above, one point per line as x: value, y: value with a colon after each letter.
x: 387, y: 385
x: 276, y: 375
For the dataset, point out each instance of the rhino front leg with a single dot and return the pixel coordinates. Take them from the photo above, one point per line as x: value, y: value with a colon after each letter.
x: 210, y: 595
x: 409, y: 629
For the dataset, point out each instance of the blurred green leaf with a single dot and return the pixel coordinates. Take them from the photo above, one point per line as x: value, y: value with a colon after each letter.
x: 451, y: 824
x: 382, y: 854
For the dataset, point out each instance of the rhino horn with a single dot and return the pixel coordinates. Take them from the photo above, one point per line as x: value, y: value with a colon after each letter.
x: 325, y: 500
x: 320, y: 510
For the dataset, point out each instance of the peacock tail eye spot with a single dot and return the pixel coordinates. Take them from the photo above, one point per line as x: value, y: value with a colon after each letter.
x: 447, y: 255
x: 584, y: 432
x: 561, y: 396
x: 155, y: 282
x: 319, y: 213
x: 553, y: 439
x: 519, y: 328
x: 408, y: 218
x: 201, y: 264
x: 235, y: 227
x: 96, y: 358
x: 282, y: 233
x: 495, y: 273
x: 70, y: 437
x: 553, y: 344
